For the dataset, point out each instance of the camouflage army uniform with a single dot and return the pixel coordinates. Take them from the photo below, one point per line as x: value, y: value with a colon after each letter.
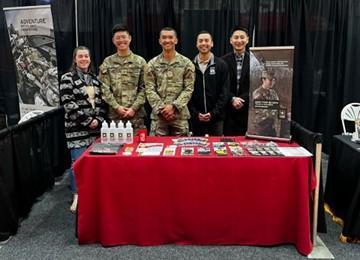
x: 169, y: 82
x: 123, y: 85
x: 266, y: 120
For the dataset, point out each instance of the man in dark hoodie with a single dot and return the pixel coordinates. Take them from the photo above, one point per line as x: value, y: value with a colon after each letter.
x: 238, y: 101
x: 210, y: 90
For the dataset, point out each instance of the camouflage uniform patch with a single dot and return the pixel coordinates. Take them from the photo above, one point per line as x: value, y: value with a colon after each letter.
x: 123, y: 85
x: 169, y: 83
x: 266, y: 120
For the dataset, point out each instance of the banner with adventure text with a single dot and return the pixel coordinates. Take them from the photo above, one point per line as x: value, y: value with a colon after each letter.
x: 32, y: 40
x: 270, y: 94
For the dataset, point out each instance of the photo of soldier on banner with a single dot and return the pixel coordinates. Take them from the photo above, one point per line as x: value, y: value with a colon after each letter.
x: 271, y: 77
x: 32, y: 40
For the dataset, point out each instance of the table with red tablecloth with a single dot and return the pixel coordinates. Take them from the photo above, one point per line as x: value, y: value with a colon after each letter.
x: 201, y: 200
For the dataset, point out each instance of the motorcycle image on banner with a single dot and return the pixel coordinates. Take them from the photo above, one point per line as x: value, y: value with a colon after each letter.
x: 32, y: 40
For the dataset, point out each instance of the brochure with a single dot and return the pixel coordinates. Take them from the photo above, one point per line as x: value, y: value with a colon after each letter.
x: 100, y: 148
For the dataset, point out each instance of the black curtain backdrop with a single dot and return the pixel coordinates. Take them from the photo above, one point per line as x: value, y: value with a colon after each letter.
x: 32, y: 155
x: 8, y: 196
x: 325, y: 34
x: 59, y: 155
x: 32, y: 163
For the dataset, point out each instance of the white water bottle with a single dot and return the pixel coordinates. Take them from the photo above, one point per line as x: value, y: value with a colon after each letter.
x: 104, y: 133
x: 128, y: 133
x: 112, y: 132
x: 121, y: 133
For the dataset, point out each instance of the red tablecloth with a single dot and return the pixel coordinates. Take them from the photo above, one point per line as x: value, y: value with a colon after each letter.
x: 194, y: 199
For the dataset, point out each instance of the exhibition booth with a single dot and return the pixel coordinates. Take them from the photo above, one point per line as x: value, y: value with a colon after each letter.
x: 264, y: 188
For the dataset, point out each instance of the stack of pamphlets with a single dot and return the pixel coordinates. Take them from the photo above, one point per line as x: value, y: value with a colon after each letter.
x: 204, y: 150
x: 186, y: 151
x: 103, y: 148
x: 235, y: 149
x: 262, y: 149
x: 169, y: 150
x: 145, y: 149
x: 220, y: 148
x: 191, y: 141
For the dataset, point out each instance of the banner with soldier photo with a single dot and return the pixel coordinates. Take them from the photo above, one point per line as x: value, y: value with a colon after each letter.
x: 32, y: 40
x: 271, y: 77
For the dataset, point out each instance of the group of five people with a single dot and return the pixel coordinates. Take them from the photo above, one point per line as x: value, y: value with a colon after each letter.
x: 211, y: 93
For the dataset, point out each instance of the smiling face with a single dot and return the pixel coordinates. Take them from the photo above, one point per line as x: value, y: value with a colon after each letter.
x: 82, y: 60
x: 239, y: 39
x: 204, y: 43
x: 122, y: 40
x: 168, y: 40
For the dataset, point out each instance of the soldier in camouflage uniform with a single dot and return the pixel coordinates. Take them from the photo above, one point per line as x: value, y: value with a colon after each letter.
x: 267, y: 121
x: 169, y: 83
x: 122, y: 77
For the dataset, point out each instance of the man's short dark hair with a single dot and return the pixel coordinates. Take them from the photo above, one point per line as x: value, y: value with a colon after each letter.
x: 120, y: 28
x: 168, y: 29
x: 204, y: 32
x: 239, y: 28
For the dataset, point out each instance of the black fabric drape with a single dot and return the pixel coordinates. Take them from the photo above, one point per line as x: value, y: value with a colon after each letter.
x: 342, y: 192
x: 218, y: 18
x: 325, y: 35
x: 309, y: 139
x: 58, y: 153
x: 146, y: 18
x: 63, y: 12
x: 40, y: 155
x: 32, y: 179
x: 32, y: 155
x: 8, y: 201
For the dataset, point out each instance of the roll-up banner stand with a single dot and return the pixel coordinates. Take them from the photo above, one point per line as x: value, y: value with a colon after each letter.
x: 32, y: 40
x: 271, y: 78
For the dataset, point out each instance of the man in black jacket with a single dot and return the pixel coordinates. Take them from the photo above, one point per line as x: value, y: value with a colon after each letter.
x: 210, y: 90
x: 238, y: 100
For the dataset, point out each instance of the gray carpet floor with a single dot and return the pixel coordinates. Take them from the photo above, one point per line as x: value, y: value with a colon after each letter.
x: 48, y: 233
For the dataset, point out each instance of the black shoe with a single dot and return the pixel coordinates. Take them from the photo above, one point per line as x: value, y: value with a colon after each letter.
x: 4, y: 238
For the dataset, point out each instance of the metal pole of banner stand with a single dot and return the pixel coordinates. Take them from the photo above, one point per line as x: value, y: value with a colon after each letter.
x: 253, y: 37
x: 76, y: 24
x: 316, y: 195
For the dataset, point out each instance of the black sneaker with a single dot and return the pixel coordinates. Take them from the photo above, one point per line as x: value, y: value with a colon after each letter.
x: 4, y: 238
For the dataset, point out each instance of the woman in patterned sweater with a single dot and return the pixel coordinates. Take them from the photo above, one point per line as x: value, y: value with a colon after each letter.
x: 84, y: 109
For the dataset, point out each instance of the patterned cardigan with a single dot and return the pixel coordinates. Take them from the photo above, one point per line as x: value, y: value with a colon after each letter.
x: 78, y: 110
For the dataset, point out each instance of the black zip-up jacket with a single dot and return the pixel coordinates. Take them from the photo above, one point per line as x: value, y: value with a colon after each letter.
x: 210, y: 90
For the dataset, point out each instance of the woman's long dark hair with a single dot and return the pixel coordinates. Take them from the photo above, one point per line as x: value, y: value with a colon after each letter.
x: 73, y: 64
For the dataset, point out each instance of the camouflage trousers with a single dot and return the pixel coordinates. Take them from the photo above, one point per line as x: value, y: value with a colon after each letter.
x: 161, y: 127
